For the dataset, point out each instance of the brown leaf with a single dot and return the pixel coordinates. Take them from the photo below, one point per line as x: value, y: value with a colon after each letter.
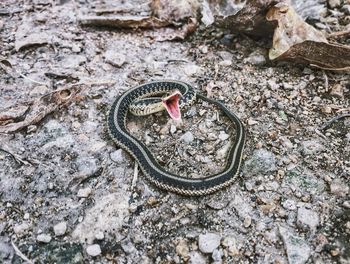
x: 297, y: 41
x: 38, y: 110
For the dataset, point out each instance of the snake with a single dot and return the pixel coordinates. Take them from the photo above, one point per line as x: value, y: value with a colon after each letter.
x: 136, y: 98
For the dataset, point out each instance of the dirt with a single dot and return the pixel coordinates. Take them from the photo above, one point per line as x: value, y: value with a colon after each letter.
x: 65, y: 168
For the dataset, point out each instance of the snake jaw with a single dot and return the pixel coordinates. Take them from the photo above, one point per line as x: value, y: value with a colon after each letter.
x: 171, y: 104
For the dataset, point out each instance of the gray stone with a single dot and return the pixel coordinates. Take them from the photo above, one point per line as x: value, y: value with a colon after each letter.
x: 93, y: 250
x: 107, y: 215
x: 217, y: 256
x: 307, y: 218
x: 256, y: 58
x: 346, y: 9
x: 197, y: 258
x: 60, y: 229
x: 128, y: 247
x: 114, y: 58
x: 298, y: 251
x: 261, y: 162
x: 44, y: 238
x: 187, y: 137
x: 86, y: 166
x: 6, y: 251
x: 208, y: 242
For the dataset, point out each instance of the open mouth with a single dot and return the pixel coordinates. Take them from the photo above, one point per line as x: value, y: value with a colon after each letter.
x: 171, y: 104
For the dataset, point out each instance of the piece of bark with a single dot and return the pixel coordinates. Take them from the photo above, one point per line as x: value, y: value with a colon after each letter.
x: 124, y: 21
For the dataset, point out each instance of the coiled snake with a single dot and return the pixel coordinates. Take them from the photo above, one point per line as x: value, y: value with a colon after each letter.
x: 133, y: 98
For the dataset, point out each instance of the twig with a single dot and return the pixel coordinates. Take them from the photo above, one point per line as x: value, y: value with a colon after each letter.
x: 339, y: 34
x: 136, y: 174
x: 34, y: 81
x: 20, y: 254
x: 15, y: 157
x: 328, y: 123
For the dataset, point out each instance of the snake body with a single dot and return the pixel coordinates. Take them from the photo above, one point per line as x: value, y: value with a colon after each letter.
x: 151, y: 169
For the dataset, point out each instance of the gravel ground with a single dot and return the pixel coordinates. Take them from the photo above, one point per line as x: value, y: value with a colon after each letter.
x: 67, y: 193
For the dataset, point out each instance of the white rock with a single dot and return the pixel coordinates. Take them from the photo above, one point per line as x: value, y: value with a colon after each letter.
x: 187, y: 137
x: 208, y: 242
x: 223, y: 136
x: 45, y: 238
x: 84, y: 193
x: 289, y: 204
x: 172, y: 129
x: 307, y: 218
x: 21, y: 229
x: 60, y: 229
x: 100, y: 235
x: 93, y: 250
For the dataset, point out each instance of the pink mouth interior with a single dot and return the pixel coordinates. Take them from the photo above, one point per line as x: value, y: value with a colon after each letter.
x: 171, y: 104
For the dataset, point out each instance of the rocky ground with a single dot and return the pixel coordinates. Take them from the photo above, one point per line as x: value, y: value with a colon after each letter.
x: 69, y: 195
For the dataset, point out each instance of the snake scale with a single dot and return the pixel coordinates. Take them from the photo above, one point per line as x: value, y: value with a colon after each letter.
x: 116, y: 121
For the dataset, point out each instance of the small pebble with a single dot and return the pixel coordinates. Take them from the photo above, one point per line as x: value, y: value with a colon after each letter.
x: 346, y: 204
x: 93, y: 250
x: 187, y: 137
x: 172, y: 129
x: 182, y: 249
x: 99, y: 235
x: 21, y: 229
x: 223, y: 136
x: 44, y: 238
x: 84, y: 193
x: 208, y: 242
x: 247, y: 221
x: 118, y: 156
x: 60, y: 229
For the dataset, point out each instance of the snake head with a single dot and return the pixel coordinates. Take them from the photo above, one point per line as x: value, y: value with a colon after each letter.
x: 171, y: 104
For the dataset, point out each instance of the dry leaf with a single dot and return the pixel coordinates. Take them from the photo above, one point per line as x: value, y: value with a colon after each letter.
x: 297, y: 41
x: 37, y: 109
